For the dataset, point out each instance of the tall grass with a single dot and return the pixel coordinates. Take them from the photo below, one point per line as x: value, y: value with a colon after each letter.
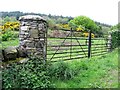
x: 96, y: 72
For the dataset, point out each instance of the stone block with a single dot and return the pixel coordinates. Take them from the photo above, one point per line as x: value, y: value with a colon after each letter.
x: 21, y: 39
x: 31, y: 51
x: 22, y: 52
x: 26, y: 33
x: 31, y: 44
x: 39, y: 44
x: 41, y: 35
x: 34, y: 33
x: 22, y: 32
x: 24, y: 28
x: 10, y: 53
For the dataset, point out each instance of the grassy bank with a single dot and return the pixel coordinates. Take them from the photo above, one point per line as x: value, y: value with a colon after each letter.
x: 96, y: 72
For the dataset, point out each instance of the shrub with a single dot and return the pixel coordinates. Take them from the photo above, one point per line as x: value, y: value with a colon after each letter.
x: 9, y: 35
x: 11, y: 25
x: 62, y: 71
x: 115, y: 39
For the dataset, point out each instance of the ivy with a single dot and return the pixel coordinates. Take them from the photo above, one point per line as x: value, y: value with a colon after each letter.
x: 32, y: 74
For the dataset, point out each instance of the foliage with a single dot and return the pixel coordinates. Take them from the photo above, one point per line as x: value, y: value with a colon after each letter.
x: 66, y: 26
x: 10, y: 25
x: 6, y: 44
x: 32, y: 74
x: 51, y: 24
x: 87, y: 34
x: 7, y: 30
x: 115, y: 39
x: 115, y: 35
x: 64, y: 20
x: 116, y: 27
x: 62, y: 71
x: 61, y: 20
x: 103, y: 31
x: 9, y: 35
x: 80, y: 28
x: 8, y: 19
x: 84, y: 73
x: 97, y: 72
x: 85, y: 22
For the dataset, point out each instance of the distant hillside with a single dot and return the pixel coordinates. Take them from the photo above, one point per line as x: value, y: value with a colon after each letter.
x: 56, y: 19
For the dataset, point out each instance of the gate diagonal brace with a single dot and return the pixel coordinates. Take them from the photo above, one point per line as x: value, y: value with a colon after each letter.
x: 59, y: 46
x: 79, y: 43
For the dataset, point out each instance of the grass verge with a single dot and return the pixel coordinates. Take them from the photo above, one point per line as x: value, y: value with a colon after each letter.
x: 96, y: 72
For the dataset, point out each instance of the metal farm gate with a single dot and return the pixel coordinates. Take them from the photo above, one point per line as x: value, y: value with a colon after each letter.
x: 66, y: 44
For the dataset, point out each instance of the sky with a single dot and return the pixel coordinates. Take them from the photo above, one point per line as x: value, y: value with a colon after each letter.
x: 104, y: 11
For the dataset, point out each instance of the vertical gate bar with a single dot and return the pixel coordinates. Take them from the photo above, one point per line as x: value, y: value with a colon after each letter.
x: 89, y: 44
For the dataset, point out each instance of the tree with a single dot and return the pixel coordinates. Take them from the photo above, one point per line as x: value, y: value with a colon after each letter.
x: 51, y: 23
x: 85, y: 22
x: 8, y: 19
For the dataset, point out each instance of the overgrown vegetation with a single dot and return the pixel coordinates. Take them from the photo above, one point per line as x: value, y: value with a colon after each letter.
x: 96, y: 72
x: 33, y: 74
x: 86, y: 73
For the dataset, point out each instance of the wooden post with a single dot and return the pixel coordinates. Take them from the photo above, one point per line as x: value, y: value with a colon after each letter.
x: 89, y: 44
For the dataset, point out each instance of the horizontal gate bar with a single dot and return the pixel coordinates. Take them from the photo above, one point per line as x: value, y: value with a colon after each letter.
x: 64, y: 45
x: 66, y: 49
x: 95, y: 49
x: 65, y: 52
x: 66, y: 56
x: 99, y: 51
x: 99, y: 54
x: 70, y: 59
x: 98, y: 44
x: 67, y: 38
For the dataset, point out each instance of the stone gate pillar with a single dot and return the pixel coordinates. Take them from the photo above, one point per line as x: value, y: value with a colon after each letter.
x: 32, y: 36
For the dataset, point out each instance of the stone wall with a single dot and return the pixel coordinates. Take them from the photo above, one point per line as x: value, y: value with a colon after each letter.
x: 32, y: 36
